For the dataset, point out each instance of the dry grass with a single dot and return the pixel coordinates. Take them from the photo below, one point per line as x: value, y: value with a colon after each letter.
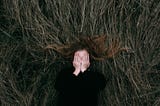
x: 27, y: 71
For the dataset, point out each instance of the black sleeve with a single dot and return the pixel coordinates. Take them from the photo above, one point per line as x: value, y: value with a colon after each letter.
x: 64, y: 80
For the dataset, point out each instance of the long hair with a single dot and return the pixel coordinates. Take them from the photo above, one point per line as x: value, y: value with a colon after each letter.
x: 97, y: 46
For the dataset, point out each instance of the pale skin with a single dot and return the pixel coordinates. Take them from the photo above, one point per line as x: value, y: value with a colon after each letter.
x: 81, y: 61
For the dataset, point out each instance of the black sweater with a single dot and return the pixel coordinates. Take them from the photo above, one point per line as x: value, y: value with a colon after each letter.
x: 81, y: 90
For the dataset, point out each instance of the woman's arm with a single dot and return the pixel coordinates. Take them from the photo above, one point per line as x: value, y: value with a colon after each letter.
x: 65, y: 80
x: 101, y: 81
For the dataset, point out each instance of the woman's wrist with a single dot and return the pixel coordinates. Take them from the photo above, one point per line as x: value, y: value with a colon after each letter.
x: 83, y: 69
x: 76, y: 72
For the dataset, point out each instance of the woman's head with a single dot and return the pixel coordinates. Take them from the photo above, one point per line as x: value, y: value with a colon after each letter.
x: 82, y: 54
x: 80, y: 49
x: 81, y: 60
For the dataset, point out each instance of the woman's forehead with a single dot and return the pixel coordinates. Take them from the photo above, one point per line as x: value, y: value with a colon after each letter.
x: 82, y: 52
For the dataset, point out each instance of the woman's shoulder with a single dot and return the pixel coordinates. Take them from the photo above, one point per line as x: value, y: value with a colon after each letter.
x: 95, y: 73
x: 66, y: 70
x: 98, y: 78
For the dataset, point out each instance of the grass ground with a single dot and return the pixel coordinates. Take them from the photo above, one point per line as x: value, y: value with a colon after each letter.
x: 28, y: 71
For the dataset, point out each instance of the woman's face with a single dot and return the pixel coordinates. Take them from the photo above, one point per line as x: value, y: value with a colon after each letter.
x: 82, y: 54
x: 81, y: 60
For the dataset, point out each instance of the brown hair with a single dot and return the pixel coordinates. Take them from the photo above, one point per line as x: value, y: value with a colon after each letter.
x: 95, y: 45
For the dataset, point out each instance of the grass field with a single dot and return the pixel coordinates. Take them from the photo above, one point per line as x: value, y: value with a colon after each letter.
x: 28, y: 71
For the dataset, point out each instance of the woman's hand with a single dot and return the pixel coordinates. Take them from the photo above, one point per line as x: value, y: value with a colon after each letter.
x: 81, y: 62
x: 85, y: 63
x: 77, y: 64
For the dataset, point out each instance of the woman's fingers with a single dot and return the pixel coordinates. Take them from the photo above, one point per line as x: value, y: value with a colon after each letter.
x: 88, y: 58
x: 77, y: 59
x: 76, y: 62
x: 88, y: 62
